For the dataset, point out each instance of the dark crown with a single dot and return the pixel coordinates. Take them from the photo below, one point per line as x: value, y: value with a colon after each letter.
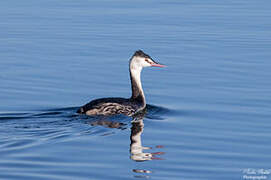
x: 140, y: 53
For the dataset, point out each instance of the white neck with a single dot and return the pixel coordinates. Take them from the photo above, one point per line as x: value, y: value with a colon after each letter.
x: 137, y: 90
x: 136, y: 75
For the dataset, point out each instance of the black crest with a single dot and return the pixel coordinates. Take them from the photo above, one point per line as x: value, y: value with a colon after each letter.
x: 140, y: 53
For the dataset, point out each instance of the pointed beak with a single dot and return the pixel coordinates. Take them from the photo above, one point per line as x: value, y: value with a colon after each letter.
x: 157, y: 65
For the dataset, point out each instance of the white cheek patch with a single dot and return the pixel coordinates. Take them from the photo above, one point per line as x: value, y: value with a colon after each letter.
x: 140, y: 62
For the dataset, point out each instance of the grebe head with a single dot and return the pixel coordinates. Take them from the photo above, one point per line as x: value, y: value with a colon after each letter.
x: 141, y: 59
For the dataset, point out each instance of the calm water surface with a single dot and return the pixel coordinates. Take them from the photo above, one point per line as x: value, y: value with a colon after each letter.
x: 209, y: 111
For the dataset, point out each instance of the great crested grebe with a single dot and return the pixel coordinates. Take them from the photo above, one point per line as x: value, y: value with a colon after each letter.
x: 130, y: 106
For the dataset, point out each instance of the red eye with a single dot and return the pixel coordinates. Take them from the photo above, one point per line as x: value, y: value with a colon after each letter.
x: 147, y: 61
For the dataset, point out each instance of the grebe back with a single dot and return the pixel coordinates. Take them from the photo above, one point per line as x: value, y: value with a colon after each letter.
x: 129, y: 106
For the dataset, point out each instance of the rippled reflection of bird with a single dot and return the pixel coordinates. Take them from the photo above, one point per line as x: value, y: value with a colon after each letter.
x: 136, y: 149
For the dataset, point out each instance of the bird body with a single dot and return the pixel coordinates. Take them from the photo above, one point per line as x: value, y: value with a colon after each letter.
x: 110, y: 106
x: 129, y: 106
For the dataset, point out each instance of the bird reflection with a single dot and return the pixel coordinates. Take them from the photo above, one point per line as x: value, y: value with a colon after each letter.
x: 108, y: 124
x: 136, y: 149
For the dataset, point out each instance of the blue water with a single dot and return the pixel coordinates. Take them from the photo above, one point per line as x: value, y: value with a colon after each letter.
x: 208, y: 116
